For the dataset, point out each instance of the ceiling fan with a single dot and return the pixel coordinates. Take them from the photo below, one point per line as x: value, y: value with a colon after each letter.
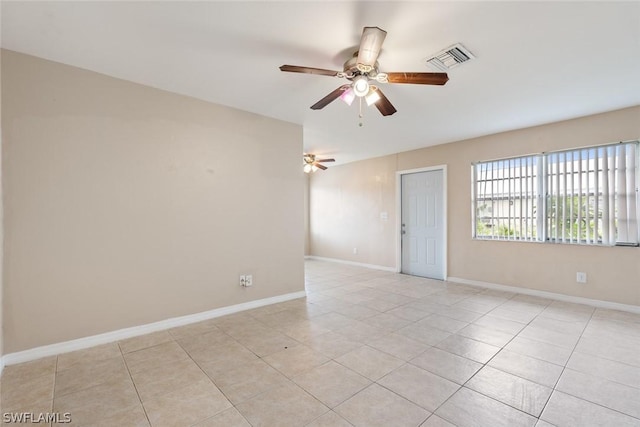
x: 362, y: 70
x: 311, y: 164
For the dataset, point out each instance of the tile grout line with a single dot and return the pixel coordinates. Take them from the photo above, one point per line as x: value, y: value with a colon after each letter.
x: 413, y: 322
x: 233, y: 405
x: 55, y: 381
x: 431, y: 413
x: 534, y: 318
x: 578, y: 397
x: 564, y: 367
x: 490, y: 359
x: 126, y: 365
x: 372, y: 382
x: 209, y: 377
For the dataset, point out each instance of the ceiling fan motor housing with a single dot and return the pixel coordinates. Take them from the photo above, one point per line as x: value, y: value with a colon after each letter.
x: 351, y: 69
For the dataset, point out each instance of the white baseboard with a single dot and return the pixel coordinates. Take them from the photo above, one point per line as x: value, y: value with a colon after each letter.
x: 549, y: 295
x: 357, y: 264
x: 109, y: 337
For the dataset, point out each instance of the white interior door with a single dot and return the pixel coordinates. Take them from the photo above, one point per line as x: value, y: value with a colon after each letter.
x: 423, y: 225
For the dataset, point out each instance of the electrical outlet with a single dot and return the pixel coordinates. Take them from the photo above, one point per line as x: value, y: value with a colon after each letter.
x: 581, y: 277
x: 248, y: 280
x: 243, y: 280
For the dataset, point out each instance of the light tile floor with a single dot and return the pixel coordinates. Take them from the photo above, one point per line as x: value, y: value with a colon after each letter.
x: 365, y: 348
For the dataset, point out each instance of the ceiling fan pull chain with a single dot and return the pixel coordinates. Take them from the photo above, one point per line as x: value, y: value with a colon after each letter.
x: 360, y: 114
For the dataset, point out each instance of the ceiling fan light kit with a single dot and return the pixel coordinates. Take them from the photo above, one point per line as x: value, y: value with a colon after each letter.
x: 348, y: 96
x: 361, y: 70
x: 360, y: 86
x: 373, y: 96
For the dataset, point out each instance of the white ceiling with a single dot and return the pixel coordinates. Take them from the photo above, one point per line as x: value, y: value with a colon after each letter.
x: 537, y: 62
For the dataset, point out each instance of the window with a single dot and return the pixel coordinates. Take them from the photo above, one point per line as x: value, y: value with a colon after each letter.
x: 586, y: 196
x: 506, y: 202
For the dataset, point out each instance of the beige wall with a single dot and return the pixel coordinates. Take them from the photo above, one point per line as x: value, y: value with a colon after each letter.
x: 346, y: 202
x: 307, y: 237
x: 1, y: 222
x: 127, y: 205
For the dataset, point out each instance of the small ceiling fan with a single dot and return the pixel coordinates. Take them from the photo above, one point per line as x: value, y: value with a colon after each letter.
x: 362, y: 70
x: 311, y: 164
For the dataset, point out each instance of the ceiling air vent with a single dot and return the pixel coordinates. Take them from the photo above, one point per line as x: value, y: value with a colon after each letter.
x: 449, y: 58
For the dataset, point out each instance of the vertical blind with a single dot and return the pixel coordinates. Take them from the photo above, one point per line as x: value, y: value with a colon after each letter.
x: 506, y: 202
x: 586, y: 196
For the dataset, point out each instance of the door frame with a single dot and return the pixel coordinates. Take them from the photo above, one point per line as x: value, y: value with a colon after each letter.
x: 399, y: 174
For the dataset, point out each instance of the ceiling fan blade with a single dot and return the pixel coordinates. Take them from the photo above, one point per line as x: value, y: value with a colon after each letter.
x: 319, y: 166
x: 384, y: 105
x: 308, y: 70
x: 326, y: 160
x: 418, y: 78
x: 329, y: 98
x: 370, y: 45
